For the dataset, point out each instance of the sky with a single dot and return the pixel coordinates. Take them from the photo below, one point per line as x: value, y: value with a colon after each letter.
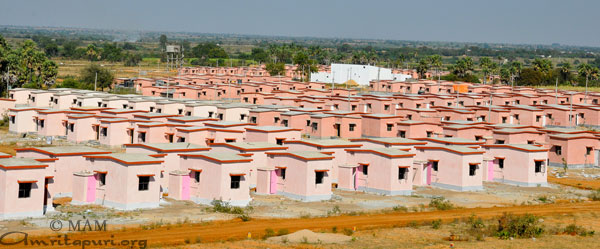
x: 570, y: 22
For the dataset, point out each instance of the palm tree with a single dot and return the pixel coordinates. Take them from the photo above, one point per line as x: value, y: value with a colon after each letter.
x: 422, y: 67
x: 436, y: 63
x: 485, y: 63
x: 542, y: 65
x: 565, y: 71
x: 587, y: 71
x: 515, y: 71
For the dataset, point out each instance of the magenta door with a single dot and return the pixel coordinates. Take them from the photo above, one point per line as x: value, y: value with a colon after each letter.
x: 91, y: 189
x: 185, y: 187
x: 273, y: 189
x: 429, y: 168
x: 490, y: 170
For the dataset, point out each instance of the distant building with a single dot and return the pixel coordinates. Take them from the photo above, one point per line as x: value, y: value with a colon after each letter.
x: 361, y: 74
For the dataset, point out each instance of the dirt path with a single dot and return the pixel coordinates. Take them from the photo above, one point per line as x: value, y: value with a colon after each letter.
x: 576, y: 183
x: 235, y: 229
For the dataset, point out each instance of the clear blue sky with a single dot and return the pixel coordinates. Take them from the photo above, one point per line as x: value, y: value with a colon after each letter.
x: 573, y: 22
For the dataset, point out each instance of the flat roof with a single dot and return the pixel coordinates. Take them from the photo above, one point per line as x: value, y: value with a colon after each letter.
x: 15, y: 162
x: 170, y: 147
x: 326, y: 142
x: 66, y: 150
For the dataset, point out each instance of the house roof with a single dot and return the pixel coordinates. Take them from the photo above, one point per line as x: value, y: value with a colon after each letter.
x: 389, y: 152
x: 253, y: 146
x: 452, y: 140
x: 390, y: 140
x: 464, y: 150
x: 65, y: 150
x: 271, y: 129
x: 20, y: 163
x: 171, y: 147
x: 129, y: 158
x: 326, y: 143
x: 221, y: 157
x: 304, y: 155
x: 523, y: 147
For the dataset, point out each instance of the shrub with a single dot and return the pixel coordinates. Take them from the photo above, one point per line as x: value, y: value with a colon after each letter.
x: 594, y: 195
x: 334, y: 211
x: 334, y: 229
x: 269, y: 233
x: 574, y: 229
x: 244, y: 217
x: 348, y: 231
x: 282, y: 231
x: 400, y: 209
x: 413, y: 224
x: 436, y: 224
x: 525, y: 226
x: 440, y: 203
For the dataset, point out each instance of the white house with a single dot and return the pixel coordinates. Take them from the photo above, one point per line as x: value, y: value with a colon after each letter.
x: 362, y: 74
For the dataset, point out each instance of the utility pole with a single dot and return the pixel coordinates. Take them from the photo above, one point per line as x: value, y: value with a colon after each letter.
x: 96, y: 82
x: 556, y: 91
x: 7, y: 81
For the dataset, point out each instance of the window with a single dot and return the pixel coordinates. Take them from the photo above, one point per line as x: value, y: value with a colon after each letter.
x: 447, y: 118
x: 42, y: 123
x: 151, y: 109
x: 242, y: 117
x: 235, y: 182
x: 365, y: 169
x: 144, y: 183
x: 538, y: 166
x: 25, y: 190
x: 197, y: 176
x: 12, y: 119
x: 409, y: 117
x: 402, y: 173
x: 477, y: 138
x: 72, y: 127
x: 143, y: 137
x: 499, y: 141
x: 220, y: 116
x: 307, y: 122
x: 588, y: 150
x: 402, y: 134
x: 418, y: 106
x: 276, y: 120
x: 558, y: 150
x: 501, y: 163
x: 315, y: 126
x: 386, y: 107
x: 538, y: 118
x: 529, y: 141
x: 354, y: 107
x: 282, y: 173
x: 351, y: 127
x: 368, y: 106
x: 188, y: 113
x: 279, y: 141
x: 104, y: 131
x: 336, y: 106
x: 284, y: 122
x: 102, y: 179
x: 434, y: 165
x: 472, y: 169
x: 253, y: 120
x: 504, y: 120
x: 429, y: 134
x: 158, y: 110
x: 390, y: 127
x: 319, y: 175
x: 181, y: 139
x: 210, y: 114
x: 517, y: 116
x: 230, y: 140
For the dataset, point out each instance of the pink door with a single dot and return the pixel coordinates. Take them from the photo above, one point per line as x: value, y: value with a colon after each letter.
x: 91, y: 190
x: 490, y: 170
x: 185, y: 187
x: 429, y: 169
x: 273, y: 182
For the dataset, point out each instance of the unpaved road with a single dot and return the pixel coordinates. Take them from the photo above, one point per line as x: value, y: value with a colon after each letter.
x: 575, y: 182
x: 172, y: 235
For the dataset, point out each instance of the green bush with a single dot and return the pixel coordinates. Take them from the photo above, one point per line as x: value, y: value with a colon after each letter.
x: 348, y: 231
x: 282, y: 231
x: 440, y: 203
x: 269, y: 233
x: 574, y: 229
x: 436, y: 224
x: 525, y: 226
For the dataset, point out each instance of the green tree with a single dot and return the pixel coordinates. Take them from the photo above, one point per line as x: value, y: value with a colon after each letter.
x: 486, y: 64
x: 436, y: 62
x: 131, y: 59
x: 259, y: 55
x: 565, y: 71
x: 111, y: 52
x: 162, y: 42
x: 422, y: 67
x: 530, y: 76
x: 588, y: 72
x: 69, y: 49
x: 542, y: 65
x: 275, y: 68
x: 304, y: 64
x: 105, y: 76
x: 92, y: 52
x: 463, y: 66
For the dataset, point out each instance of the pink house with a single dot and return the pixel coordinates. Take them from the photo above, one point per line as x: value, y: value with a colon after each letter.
x: 451, y: 167
x: 22, y: 119
x: 389, y: 142
x: 213, y: 176
x: 81, y: 127
x: 517, y: 164
x: 384, y: 171
x: 24, y: 188
x: 69, y: 159
x: 171, y: 157
x: 417, y: 129
x: 264, y: 117
x: 253, y: 150
x: 578, y: 150
x: 299, y: 175
x: 296, y: 120
x: 518, y: 136
x: 272, y: 134
x: 472, y: 132
x: 379, y: 125
x: 122, y: 181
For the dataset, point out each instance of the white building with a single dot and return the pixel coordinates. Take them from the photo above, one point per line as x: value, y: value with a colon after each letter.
x: 362, y: 74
